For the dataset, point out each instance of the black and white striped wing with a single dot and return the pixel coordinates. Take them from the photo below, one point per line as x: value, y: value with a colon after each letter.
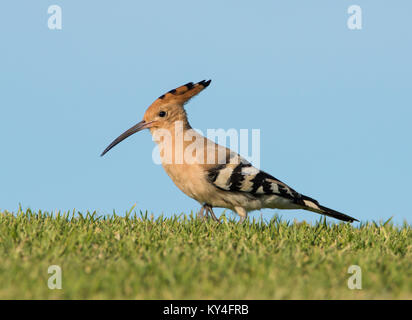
x: 243, y: 177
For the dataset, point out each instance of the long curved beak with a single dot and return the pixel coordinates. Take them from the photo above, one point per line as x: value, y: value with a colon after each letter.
x: 136, y: 128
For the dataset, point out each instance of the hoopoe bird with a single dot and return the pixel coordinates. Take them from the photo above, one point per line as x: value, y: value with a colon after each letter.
x: 232, y: 183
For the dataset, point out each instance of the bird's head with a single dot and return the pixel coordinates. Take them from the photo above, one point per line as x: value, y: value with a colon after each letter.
x: 164, y: 111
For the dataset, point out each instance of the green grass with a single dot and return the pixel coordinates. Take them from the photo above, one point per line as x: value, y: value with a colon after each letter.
x: 138, y: 257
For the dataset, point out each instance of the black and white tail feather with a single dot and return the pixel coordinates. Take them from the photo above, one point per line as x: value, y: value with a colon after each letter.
x: 313, y: 205
x: 242, y: 178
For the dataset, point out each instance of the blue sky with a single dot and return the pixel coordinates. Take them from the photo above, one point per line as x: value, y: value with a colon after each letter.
x: 334, y: 105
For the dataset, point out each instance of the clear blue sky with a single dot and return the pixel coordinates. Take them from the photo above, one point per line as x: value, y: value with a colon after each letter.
x: 334, y: 105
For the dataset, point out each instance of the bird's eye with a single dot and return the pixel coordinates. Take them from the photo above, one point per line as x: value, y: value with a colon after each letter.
x: 162, y: 114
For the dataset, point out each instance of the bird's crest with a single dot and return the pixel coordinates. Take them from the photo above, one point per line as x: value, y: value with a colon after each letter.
x: 182, y: 94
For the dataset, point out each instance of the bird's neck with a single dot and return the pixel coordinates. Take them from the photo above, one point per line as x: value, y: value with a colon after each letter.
x: 178, y: 142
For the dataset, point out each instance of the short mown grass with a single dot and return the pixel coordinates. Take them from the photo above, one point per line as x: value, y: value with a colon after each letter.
x: 138, y: 257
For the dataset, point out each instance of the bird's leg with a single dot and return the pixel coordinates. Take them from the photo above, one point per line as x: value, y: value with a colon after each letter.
x: 242, y: 213
x: 200, y: 214
x: 210, y: 210
x: 204, y: 209
x: 242, y: 219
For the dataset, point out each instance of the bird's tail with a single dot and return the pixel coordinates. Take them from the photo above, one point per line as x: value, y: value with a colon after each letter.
x: 313, y: 205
